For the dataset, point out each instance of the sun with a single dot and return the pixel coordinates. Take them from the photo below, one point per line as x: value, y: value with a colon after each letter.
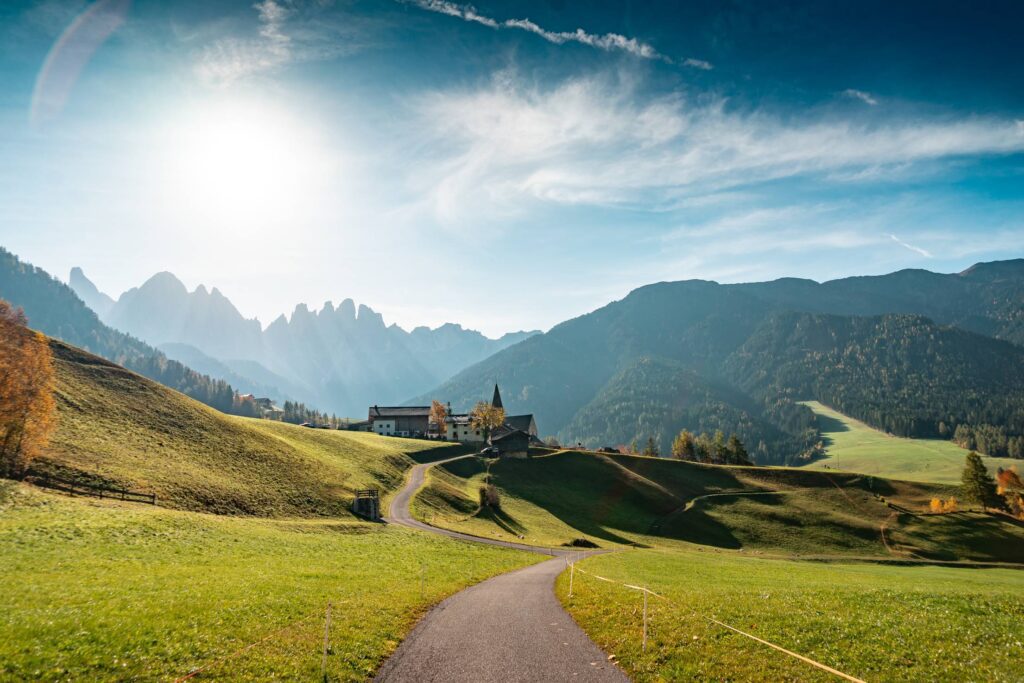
x: 240, y: 163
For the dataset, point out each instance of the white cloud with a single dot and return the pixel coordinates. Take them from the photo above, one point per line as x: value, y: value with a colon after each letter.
x: 598, y: 141
x: 911, y: 247
x: 865, y: 97
x: 232, y: 58
x: 698, y: 64
x: 288, y: 32
x: 607, y: 41
x: 467, y: 12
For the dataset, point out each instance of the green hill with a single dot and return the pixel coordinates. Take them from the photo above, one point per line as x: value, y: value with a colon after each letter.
x: 624, y: 500
x: 119, y: 428
x: 853, y: 446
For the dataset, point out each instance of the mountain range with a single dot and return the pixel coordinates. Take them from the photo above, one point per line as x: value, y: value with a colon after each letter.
x: 914, y: 352
x: 340, y: 358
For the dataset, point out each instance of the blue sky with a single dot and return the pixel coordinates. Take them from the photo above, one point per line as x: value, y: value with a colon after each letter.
x: 505, y: 165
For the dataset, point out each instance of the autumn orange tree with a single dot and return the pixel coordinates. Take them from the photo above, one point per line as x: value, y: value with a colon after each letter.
x: 27, y: 415
x: 438, y: 415
x: 1011, y: 487
x: 486, y: 418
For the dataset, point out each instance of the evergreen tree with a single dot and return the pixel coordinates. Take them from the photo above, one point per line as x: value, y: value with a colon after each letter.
x: 737, y: 451
x: 651, y: 449
x: 719, y: 451
x: 978, y: 485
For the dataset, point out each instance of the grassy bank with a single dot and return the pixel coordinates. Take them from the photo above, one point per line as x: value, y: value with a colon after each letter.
x: 106, y: 591
x: 879, y: 623
x: 119, y: 428
x: 616, y: 501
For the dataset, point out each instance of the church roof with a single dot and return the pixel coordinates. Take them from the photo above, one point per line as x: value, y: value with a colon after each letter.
x: 496, y: 401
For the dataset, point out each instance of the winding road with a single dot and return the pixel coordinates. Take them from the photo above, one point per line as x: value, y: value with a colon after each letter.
x: 508, y: 628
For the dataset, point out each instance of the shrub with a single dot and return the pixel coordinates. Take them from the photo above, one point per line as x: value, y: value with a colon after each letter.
x: 490, y: 497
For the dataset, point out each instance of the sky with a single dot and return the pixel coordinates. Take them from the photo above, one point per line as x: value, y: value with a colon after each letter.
x: 505, y: 165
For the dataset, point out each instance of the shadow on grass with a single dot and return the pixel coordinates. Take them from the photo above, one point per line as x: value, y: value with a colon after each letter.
x: 507, y: 522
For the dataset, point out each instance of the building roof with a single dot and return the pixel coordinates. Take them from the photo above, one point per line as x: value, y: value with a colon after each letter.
x: 458, y: 419
x: 505, y: 432
x: 519, y: 421
x: 496, y: 401
x: 386, y: 412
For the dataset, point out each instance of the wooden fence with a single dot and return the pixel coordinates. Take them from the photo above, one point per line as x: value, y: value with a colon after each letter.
x: 81, y: 488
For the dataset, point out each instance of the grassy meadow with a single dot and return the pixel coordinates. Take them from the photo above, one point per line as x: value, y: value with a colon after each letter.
x: 872, y: 621
x: 98, y: 590
x: 852, y: 446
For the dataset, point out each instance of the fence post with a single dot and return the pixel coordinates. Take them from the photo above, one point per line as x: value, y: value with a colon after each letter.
x: 572, y: 573
x: 423, y: 580
x: 327, y: 634
x: 644, y: 647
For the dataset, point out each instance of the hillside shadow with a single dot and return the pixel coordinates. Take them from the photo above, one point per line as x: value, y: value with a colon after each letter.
x: 827, y: 425
x: 696, y: 526
x: 505, y: 521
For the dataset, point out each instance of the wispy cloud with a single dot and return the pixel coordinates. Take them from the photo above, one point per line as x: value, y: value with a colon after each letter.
x: 911, y: 247
x: 698, y: 64
x: 865, y: 97
x: 600, y: 141
x: 232, y: 58
x: 287, y: 32
x: 607, y: 41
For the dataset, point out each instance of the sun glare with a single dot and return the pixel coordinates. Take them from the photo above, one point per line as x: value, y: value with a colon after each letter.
x: 241, y: 164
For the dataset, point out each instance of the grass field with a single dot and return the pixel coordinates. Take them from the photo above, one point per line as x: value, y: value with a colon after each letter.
x: 617, y: 501
x: 117, y: 427
x: 106, y: 591
x: 853, y: 446
x: 875, y: 622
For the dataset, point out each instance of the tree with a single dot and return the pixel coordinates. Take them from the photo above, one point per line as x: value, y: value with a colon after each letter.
x: 702, y: 448
x: 737, y: 451
x: 719, y: 451
x: 683, y: 446
x: 486, y: 418
x: 633, y: 448
x: 1011, y: 487
x: 27, y: 409
x: 977, y: 484
x: 651, y: 449
x: 438, y: 415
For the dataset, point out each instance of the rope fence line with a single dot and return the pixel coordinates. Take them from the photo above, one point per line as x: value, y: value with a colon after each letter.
x: 646, y: 591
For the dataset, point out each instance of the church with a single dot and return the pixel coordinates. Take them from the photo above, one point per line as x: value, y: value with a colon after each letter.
x: 512, y: 438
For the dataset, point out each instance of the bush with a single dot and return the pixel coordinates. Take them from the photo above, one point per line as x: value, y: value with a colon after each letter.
x: 490, y: 497
x: 581, y: 543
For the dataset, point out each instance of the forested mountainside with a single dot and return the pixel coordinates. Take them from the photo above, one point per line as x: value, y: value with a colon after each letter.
x: 54, y: 309
x: 985, y: 298
x: 900, y: 373
x: 702, y: 356
x: 342, y: 357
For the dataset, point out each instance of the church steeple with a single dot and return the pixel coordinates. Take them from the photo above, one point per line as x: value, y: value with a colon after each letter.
x: 496, y: 401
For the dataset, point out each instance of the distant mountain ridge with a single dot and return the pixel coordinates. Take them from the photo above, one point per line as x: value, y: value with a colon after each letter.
x: 54, y: 309
x: 341, y: 358
x: 701, y: 355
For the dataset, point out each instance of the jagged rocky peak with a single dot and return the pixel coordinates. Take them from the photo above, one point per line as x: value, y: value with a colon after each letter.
x: 347, y: 309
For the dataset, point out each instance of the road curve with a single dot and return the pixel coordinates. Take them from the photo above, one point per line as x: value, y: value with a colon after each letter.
x: 508, y: 628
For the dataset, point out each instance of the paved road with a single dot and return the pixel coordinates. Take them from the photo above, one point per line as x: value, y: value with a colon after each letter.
x: 509, y: 628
